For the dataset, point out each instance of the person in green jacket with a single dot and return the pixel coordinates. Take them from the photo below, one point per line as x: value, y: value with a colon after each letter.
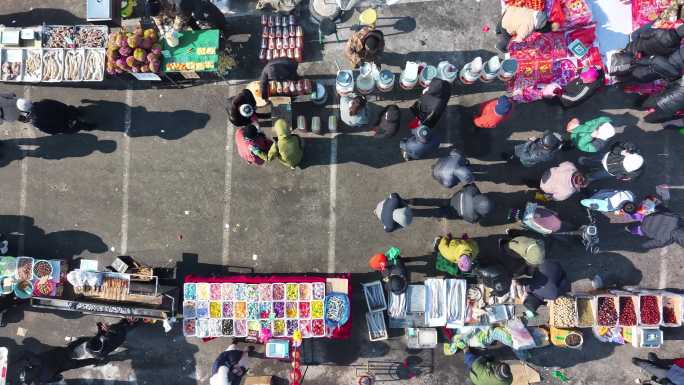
x: 287, y: 147
x: 487, y: 371
x: 592, y: 135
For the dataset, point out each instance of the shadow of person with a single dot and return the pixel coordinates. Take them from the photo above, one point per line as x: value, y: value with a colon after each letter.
x: 54, y: 147
x: 39, y: 16
x: 170, y: 125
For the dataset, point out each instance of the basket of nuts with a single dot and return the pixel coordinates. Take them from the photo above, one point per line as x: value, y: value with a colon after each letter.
x: 563, y: 312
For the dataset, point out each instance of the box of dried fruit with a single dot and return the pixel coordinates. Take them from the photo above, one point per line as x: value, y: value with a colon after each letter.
x: 650, y: 309
x: 672, y: 310
x: 627, y: 308
x: 606, y: 307
x: 585, y: 311
x: 563, y: 312
x: 33, y: 65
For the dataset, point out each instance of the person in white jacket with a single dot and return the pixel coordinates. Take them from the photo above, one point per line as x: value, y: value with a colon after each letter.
x: 229, y: 367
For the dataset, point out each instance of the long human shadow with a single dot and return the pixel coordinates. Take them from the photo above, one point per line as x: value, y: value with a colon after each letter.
x: 170, y: 125
x: 54, y: 147
x: 39, y: 16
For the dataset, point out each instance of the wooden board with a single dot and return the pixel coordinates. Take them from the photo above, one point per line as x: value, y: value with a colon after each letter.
x: 524, y: 375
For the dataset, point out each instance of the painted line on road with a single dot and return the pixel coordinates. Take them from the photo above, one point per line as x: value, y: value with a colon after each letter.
x: 126, y: 171
x: 24, y: 181
x: 332, y: 222
x: 662, y: 278
x: 227, y: 194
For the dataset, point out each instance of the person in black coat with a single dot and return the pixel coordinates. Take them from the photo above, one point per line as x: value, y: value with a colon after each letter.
x: 623, y: 162
x: 242, y: 108
x: 388, y: 122
x: 648, y: 69
x: 582, y: 87
x: 536, y: 150
x: 393, y: 213
x: 549, y: 281
x: 431, y: 105
x: 279, y: 70
x: 396, y: 276
x: 470, y: 204
x: 46, y: 367
x: 54, y: 117
x: 420, y: 144
x: 664, y: 106
x: 662, y: 227
x: 452, y: 169
x: 649, y: 41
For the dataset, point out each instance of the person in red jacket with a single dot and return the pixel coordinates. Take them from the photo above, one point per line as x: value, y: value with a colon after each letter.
x: 493, y: 112
x: 252, y: 145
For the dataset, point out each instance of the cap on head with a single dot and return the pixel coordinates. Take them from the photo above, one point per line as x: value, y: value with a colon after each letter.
x: 403, y: 216
x: 280, y: 127
x: 24, y: 105
x: 397, y: 284
x: 503, y: 105
x: 464, y: 263
x: 605, y: 131
x: 246, y: 110
x: 551, y: 141
x: 371, y: 43
x: 503, y: 371
x: 632, y: 162
x: 482, y: 204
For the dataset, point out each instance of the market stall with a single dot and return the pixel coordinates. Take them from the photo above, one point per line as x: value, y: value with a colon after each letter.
x: 196, y: 56
x: 263, y: 306
x: 128, y: 290
x: 53, y: 53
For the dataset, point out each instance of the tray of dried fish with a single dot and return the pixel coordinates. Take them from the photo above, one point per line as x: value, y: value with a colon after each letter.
x: 73, y: 65
x: 91, y: 36
x: 455, y: 302
x: 94, y: 65
x: 53, y: 64
x: 12, y: 64
x: 59, y: 36
x: 33, y: 65
x: 435, y: 302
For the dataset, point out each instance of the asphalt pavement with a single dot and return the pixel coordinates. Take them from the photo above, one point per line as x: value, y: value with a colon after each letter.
x: 159, y: 179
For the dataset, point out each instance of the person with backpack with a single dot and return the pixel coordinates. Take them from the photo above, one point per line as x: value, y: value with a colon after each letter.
x: 388, y: 122
x: 288, y: 148
x: 229, y: 367
x: 242, y: 110
x: 455, y: 256
x: 430, y: 107
x: 417, y: 146
x: 452, y: 170
x: 623, y: 162
x: 561, y: 182
x: 394, y: 213
x: 486, y: 370
x: 548, y: 282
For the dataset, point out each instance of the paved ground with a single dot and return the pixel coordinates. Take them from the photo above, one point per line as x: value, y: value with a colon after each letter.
x: 160, y: 180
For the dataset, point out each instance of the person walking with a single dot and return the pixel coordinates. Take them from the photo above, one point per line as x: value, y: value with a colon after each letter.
x: 536, y: 150
x: 661, y: 227
x: 252, y: 145
x: 493, y: 112
x: 429, y: 108
x: 229, y: 367
x: 560, y: 182
x: 668, y: 372
x: 452, y: 170
x: 470, y: 204
x: 419, y: 145
x: 455, y: 256
x: 288, y: 148
x: 592, y: 135
x: 46, y: 367
x: 242, y: 110
x: 623, y: 162
x: 486, y: 371
x: 279, y: 70
x: 394, y: 213
x: 366, y: 45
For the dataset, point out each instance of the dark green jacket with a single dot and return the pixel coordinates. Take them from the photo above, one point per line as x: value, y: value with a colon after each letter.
x: 483, y: 373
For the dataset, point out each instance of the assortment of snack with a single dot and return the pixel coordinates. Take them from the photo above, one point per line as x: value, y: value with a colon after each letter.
x: 585, y: 312
x: 90, y: 37
x: 627, y: 311
x: 42, y: 269
x: 59, y: 36
x: 24, y: 268
x: 564, y: 312
x: 11, y: 71
x: 607, y: 312
x: 53, y: 65
x: 33, y: 65
x: 73, y: 64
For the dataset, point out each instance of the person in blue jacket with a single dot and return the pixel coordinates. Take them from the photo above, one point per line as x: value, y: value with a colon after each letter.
x: 420, y: 144
x: 452, y: 169
x: 394, y: 213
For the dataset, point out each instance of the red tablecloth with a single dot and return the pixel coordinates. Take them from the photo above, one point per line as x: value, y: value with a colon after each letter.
x: 340, y: 333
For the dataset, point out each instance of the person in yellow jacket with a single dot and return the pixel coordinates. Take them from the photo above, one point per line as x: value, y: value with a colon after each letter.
x: 456, y: 255
x: 287, y: 147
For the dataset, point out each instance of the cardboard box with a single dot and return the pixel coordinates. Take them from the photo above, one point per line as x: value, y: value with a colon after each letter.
x: 258, y: 380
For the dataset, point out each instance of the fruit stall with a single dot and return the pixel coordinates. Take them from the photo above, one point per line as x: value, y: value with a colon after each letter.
x: 136, y: 51
x: 265, y: 307
x: 196, y: 56
x: 53, y: 53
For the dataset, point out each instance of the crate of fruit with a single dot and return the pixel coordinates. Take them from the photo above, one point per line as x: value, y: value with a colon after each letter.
x: 606, y: 307
x: 563, y: 312
x: 585, y: 311
x: 672, y: 310
x: 627, y: 309
x: 650, y: 309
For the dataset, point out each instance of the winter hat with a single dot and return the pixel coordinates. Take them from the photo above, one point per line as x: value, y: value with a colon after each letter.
x: 482, y: 204
x: 24, y: 105
x: 632, y: 162
x: 589, y: 75
x: 422, y: 133
x: 464, y: 263
x: 503, y: 105
x: 280, y: 127
x: 371, y: 43
x: 246, y: 110
x: 605, y: 131
x: 402, y: 216
x: 397, y: 284
x: 551, y: 141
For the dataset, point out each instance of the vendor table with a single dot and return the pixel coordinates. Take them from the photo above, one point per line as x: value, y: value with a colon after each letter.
x: 219, y: 292
x: 195, y: 56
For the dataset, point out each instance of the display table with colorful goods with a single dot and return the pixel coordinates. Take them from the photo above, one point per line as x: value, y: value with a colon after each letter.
x: 26, y: 277
x: 263, y: 306
x: 141, y: 294
x: 53, y: 53
x: 135, y: 51
x: 195, y: 57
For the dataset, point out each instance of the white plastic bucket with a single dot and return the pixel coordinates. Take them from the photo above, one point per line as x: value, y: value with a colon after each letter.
x: 409, y: 76
x: 508, y: 69
x: 470, y: 72
x: 491, y: 69
x: 447, y: 71
x: 385, y: 81
x: 426, y: 75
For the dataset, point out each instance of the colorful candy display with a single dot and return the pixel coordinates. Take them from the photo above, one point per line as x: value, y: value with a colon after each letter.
x: 278, y: 291
x: 227, y: 309
x: 279, y: 309
x: 304, y: 310
x: 318, y: 289
x: 607, y: 313
x: 215, y: 291
x: 203, y: 291
x: 227, y: 291
x: 291, y: 310
x: 265, y: 292
x: 215, y: 310
x: 316, y: 309
x: 292, y: 292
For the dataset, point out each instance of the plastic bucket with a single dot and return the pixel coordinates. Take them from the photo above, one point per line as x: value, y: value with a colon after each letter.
x: 385, y: 81
x: 491, y: 69
x: 409, y: 76
x: 426, y: 75
x: 508, y: 69
x: 447, y: 71
x: 344, y: 82
x: 365, y: 84
x: 470, y: 72
x: 320, y: 95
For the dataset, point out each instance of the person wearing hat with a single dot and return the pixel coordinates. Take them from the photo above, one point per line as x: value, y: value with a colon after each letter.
x: 623, y: 162
x: 394, y: 213
x: 393, y: 270
x: 452, y: 170
x: 661, y: 227
x: 242, y: 111
x: 582, y: 87
x: 560, y: 182
x: 288, y: 148
x: 592, y: 135
x: 366, y: 45
x: 14, y: 109
x: 493, y: 112
x: 388, y: 122
x: 486, y: 370
x: 354, y: 110
x: 456, y: 255
x: 536, y: 150
x: 417, y: 146
x: 229, y: 367
x: 252, y: 145
x: 523, y: 252
x: 430, y: 107
x: 280, y: 69
x: 470, y: 204
x: 548, y: 282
